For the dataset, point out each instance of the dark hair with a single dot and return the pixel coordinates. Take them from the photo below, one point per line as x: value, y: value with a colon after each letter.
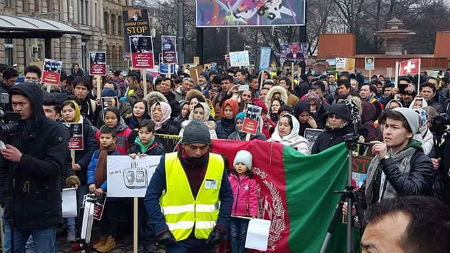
x: 374, y: 76
x: 198, y: 97
x: 106, y: 130
x: 285, y: 108
x: 158, y: 81
x: 427, y: 84
x: 428, y: 229
x: 149, y: 124
x: 376, y: 82
x: 320, y: 85
x: 227, y: 77
x: 49, y: 99
x: 394, y: 115
x: 252, y: 77
x: 288, y: 81
x: 404, y: 78
x: 115, y: 111
x: 33, y: 69
x: 231, y: 71
x: 248, y: 173
x: 217, y: 79
x: 287, y: 116
x: 344, y: 73
x: 345, y: 82
x: 134, y: 77
x: 83, y: 81
x: 10, y: 72
x: 117, y: 72
x: 63, y: 76
x: 387, y: 85
x: 178, y: 80
x: 372, y: 87
x: 68, y: 102
x: 243, y: 71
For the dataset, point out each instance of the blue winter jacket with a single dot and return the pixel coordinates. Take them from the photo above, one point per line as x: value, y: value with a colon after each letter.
x: 93, y: 166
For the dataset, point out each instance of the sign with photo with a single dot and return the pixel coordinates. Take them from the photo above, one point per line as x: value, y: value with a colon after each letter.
x: 97, y: 64
x: 311, y: 135
x: 52, y: 72
x: 252, y: 119
x: 293, y: 52
x: 141, y: 48
x: 129, y: 177
x: 239, y: 59
x: 76, y: 136
x: 264, y: 58
x: 169, y: 49
x: 369, y: 63
x: 135, y: 23
x: 164, y: 68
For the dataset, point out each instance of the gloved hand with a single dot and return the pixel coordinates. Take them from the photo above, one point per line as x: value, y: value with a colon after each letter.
x: 216, y: 236
x: 166, y: 238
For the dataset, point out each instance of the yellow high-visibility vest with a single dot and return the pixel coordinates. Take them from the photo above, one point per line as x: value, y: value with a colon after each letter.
x: 181, y: 211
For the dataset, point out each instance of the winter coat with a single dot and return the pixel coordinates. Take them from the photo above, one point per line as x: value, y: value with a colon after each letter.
x: 272, y: 91
x: 180, y: 95
x: 123, y: 133
x: 154, y: 149
x: 292, y: 140
x: 174, y: 104
x: 245, y: 195
x: 125, y: 111
x: 43, y: 143
x: 83, y: 157
x: 224, y: 128
x: 368, y: 118
x: 426, y: 138
x: 211, y: 124
x: 329, y: 138
x: 169, y: 127
x: 93, y: 167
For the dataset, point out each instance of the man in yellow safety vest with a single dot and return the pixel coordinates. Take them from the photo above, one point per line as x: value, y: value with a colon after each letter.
x: 189, y: 197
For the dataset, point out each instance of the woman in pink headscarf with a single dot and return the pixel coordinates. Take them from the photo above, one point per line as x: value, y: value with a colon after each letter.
x: 160, y: 114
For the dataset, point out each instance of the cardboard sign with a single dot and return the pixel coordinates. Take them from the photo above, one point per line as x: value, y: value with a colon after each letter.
x: 141, y: 48
x: 239, y: 59
x: 135, y: 23
x: 345, y: 64
x: 52, y: 72
x: 169, y: 49
x: 359, y: 170
x: 264, y: 58
x: 369, y: 63
x: 97, y: 63
x: 129, y: 177
x: 251, y: 120
x: 194, y: 72
x: 311, y: 135
x: 76, y: 136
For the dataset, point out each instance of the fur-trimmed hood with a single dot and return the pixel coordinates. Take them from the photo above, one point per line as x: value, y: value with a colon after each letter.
x: 194, y: 93
x: 155, y: 96
x: 272, y: 91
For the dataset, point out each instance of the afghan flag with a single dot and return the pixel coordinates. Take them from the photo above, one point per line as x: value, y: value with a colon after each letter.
x: 296, y: 191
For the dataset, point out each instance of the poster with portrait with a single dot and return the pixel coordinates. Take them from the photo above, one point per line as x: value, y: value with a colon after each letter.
x: 76, y: 136
x: 135, y: 23
x: 97, y: 63
x: 169, y: 49
x: 251, y: 120
x: 293, y: 52
x: 264, y: 58
x: 52, y: 72
x: 141, y: 48
x: 369, y: 63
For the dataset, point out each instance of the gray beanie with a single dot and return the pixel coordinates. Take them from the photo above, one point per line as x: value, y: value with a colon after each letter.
x: 196, y: 132
x: 244, y: 157
x: 411, y: 116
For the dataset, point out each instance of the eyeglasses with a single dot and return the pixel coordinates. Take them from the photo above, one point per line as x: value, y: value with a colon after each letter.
x: 334, y: 116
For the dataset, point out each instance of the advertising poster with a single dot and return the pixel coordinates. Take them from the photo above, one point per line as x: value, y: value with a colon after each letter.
x: 141, y: 48
x: 169, y: 49
x: 264, y: 58
x: 252, y: 117
x: 250, y: 13
x: 97, y: 63
x: 135, y: 22
x: 239, y: 59
x: 52, y: 72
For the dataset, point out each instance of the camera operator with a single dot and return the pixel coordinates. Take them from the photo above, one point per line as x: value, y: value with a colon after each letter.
x: 9, y: 79
x: 33, y: 161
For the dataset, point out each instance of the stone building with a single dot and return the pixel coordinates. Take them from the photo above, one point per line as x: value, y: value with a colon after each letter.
x: 99, y: 21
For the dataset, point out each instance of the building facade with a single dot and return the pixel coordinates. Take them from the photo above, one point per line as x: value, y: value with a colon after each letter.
x: 100, y: 22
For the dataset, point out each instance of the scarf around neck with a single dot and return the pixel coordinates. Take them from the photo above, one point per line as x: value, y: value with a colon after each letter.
x: 100, y: 171
x: 144, y: 147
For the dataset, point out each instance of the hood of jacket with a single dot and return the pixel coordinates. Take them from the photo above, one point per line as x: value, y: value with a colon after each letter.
x: 272, y: 91
x: 155, y: 96
x: 388, y: 105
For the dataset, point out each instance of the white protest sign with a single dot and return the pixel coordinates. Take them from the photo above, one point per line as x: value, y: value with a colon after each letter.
x: 257, y: 234
x: 341, y: 64
x: 69, y: 202
x: 239, y: 59
x: 128, y: 177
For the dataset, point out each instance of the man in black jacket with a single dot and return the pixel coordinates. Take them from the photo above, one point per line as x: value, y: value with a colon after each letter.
x: 9, y: 79
x: 33, y: 161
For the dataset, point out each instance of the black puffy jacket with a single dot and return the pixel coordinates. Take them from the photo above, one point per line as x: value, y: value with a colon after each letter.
x: 43, y: 143
x: 329, y: 138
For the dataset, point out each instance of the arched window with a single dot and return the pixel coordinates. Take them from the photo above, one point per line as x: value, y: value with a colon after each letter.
x: 120, y: 25
x: 113, y: 24
x: 105, y: 22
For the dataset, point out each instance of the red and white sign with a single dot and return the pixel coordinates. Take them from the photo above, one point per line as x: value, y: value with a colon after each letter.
x: 52, y: 72
x: 251, y: 120
x: 97, y: 63
x: 76, y: 136
x: 141, y: 48
x: 409, y: 67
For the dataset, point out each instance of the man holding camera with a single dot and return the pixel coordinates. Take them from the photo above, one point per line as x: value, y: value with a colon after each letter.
x: 30, y: 168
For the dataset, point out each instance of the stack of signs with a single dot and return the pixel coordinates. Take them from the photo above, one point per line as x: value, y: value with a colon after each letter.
x: 294, y: 52
x: 369, y: 63
x: 52, y: 72
x: 97, y: 63
x: 76, y: 136
x: 252, y: 119
x: 141, y: 48
x: 264, y: 58
x: 169, y: 49
x: 239, y: 59
x: 135, y: 23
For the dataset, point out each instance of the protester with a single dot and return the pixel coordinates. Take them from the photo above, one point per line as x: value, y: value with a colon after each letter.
x: 302, y: 113
x: 225, y: 126
x: 140, y: 113
x: 33, y: 74
x: 238, y: 135
x: 76, y: 70
x: 286, y: 133
x: 245, y: 202
x: 181, y: 176
x: 122, y: 131
x: 10, y: 76
x: 81, y: 88
x: 184, y: 115
x: 201, y: 112
x: 186, y: 86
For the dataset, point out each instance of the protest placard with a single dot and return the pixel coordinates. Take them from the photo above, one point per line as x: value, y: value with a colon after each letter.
x: 257, y: 234
x: 292, y: 53
x: 359, y: 170
x: 52, y: 72
x: 141, y: 48
x: 311, y: 135
x: 264, y: 58
x: 69, y: 202
x: 76, y: 136
x: 251, y: 120
x: 239, y: 59
x: 369, y: 63
x: 169, y: 49
x: 97, y: 63
x: 135, y: 23
x: 129, y: 177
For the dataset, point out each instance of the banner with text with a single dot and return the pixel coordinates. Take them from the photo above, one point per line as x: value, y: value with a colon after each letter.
x: 141, y: 48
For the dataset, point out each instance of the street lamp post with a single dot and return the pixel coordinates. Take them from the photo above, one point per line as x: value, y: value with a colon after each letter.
x: 180, y: 31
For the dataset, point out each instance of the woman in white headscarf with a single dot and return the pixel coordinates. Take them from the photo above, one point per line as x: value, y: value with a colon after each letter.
x: 201, y: 111
x: 286, y: 133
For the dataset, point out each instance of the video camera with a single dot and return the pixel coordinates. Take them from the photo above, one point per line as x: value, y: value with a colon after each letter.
x: 8, y: 120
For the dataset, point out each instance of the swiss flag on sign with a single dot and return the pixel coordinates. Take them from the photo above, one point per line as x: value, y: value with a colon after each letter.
x: 409, y: 67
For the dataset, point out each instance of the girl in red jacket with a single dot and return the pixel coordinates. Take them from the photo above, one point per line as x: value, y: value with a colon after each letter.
x: 245, y: 199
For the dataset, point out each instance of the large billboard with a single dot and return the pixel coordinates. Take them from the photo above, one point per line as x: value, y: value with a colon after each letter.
x: 216, y: 13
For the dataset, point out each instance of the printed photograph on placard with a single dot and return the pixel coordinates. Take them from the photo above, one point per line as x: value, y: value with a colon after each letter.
x: 97, y: 63
x: 141, y: 48
x: 52, y: 72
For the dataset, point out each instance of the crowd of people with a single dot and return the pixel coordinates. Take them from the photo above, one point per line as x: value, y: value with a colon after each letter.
x: 397, y: 120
